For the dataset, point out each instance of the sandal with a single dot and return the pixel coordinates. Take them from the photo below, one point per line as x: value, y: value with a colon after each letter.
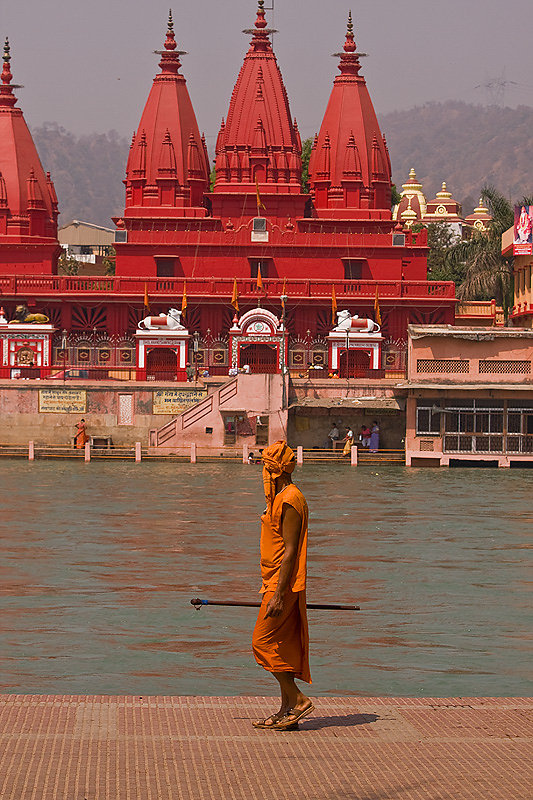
x: 270, y: 721
x: 291, y: 719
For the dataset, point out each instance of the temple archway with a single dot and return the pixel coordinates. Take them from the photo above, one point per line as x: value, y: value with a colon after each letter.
x: 260, y: 357
x: 356, y: 365
x: 161, y: 364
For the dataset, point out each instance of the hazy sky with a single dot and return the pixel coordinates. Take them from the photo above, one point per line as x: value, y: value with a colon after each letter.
x: 88, y: 65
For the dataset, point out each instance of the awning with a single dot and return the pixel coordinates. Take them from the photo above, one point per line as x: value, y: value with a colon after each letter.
x: 353, y: 403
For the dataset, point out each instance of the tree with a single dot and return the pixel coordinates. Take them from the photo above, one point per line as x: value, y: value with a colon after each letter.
x: 487, y: 274
x: 109, y: 261
x: 67, y: 265
x: 395, y: 196
x: 307, y: 146
x: 440, y: 241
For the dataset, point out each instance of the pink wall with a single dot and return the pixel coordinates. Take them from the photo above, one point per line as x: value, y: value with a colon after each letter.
x: 472, y: 345
x: 247, y: 396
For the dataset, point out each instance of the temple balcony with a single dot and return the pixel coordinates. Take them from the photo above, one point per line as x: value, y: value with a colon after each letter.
x: 163, y: 289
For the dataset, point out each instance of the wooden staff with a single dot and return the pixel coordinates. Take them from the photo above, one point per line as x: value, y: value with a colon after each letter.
x: 197, y: 603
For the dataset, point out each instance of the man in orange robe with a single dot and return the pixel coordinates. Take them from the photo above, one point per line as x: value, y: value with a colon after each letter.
x: 281, y: 639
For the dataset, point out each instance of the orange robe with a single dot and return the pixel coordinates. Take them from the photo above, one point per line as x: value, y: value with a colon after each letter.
x: 281, y: 644
x: 81, y: 436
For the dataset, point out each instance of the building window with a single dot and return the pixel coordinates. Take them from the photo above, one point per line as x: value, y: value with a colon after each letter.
x: 442, y: 365
x: 165, y: 267
x: 427, y: 419
x: 475, y: 426
x: 501, y: 367
x: 353, y: 268
x: 265, y: 265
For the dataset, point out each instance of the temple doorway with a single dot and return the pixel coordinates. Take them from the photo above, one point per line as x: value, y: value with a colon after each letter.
x: 261, y: 358
x: 161, y: 364
x: 356, y: 365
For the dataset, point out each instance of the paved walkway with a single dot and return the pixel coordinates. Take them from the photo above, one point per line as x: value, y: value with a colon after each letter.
x: 191, y: 748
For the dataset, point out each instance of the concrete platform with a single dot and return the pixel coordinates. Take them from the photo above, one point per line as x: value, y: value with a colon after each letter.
x: 185, y: 748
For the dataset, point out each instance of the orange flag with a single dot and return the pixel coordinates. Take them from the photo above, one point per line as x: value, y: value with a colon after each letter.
x: 260, y: 203
x: 184, y: 299
x: 146, y: 303
x: 235, y: 296
x: 260, y: 286
x: 377, y: 312
x: 284, y: 292
x: 333, y: 306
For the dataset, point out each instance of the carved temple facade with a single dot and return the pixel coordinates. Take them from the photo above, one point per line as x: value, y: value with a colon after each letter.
x: 255, y: 236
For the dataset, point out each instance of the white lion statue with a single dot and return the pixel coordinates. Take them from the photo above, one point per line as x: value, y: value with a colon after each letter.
x: 348, y: 322
x: 170, y: 322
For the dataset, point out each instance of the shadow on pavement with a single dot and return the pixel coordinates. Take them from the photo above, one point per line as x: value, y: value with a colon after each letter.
x: 344, y: 721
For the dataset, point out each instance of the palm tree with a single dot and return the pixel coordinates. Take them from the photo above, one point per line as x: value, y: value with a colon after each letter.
x: 487, y: 274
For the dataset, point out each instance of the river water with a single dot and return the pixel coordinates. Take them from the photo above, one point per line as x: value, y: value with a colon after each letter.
x: 99, y: 562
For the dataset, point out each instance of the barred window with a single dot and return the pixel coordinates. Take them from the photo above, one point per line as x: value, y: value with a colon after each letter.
x: 442, y: 365
x: 427, y: 419
x: 500, y: 367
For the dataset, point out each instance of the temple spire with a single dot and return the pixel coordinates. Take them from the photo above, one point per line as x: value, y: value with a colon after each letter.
x: 260, y: 32
x: 349, y: 57
x: 350, y: 139
x: 170, y: 61
x: 7, y: 98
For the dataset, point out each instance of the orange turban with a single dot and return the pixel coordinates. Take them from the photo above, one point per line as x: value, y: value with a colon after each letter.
x: 277, y: 458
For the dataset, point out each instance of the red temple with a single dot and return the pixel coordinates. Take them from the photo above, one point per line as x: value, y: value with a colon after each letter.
x: 28, y: 202
x: 257, y: 232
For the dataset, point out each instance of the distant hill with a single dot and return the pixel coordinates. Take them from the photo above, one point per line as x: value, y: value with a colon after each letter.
x: 465, y: 145
x: 87, y: 172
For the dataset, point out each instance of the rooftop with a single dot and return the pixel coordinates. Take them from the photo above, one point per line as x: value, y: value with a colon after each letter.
x: 469, y: 332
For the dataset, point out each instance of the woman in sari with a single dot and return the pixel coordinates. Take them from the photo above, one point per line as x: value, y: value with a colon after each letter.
x: 374, y: 437
x: 81, y: 435
x: 348, y: 443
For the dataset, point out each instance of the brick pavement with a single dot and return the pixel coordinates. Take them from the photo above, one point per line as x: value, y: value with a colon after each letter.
x: 204, y: 748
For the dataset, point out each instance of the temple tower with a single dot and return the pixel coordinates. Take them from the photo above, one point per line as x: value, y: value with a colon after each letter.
x: 167, y: 174
x: 258, y: 150
x: 28, y: 202
x: 349, y: 170
x: 168, y: 168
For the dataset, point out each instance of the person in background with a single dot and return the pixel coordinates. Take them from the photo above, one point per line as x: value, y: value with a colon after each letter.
x: 251, y: 459
x: 81, y: 435
x: 374, y: 438
x: 333, y: 436
x: 364, y: 436
x: 348, y: 442
x: 190, y: 371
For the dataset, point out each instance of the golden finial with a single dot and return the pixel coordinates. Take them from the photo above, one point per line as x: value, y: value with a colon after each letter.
x: 350, y: 22
x: 7, y: 53
x: 170, y: 21
x: 261, y: 5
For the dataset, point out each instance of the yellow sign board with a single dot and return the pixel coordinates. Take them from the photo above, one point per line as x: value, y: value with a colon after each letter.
x: 62, y: 401
x: 174, y: 401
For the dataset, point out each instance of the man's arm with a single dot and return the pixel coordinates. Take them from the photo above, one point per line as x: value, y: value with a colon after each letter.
x: 291, y: 524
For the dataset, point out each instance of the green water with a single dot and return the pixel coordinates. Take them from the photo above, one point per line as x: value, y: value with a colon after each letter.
x: 99, y: 562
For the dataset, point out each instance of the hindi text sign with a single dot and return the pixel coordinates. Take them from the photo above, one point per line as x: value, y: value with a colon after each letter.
x: 174, y: 401
x: 62, y: 401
